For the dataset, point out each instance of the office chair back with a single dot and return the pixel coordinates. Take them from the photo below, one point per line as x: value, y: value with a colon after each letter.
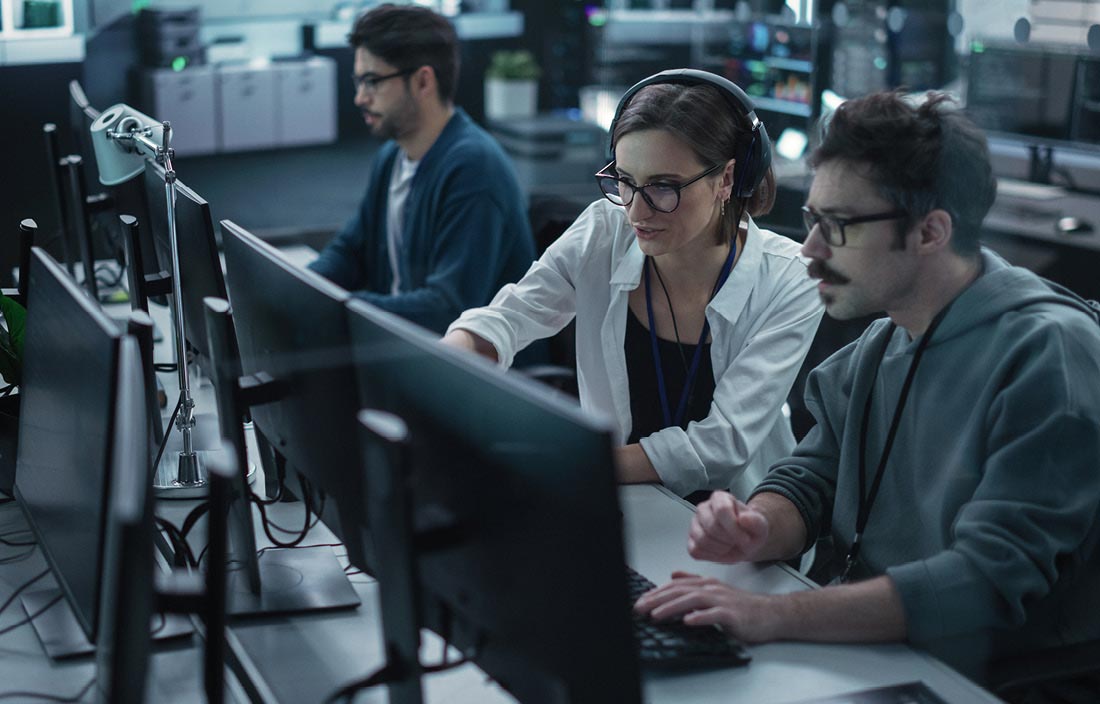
x: 81, y: 220
x: 27, y: 230
x: 59, y: 182
x: 143, y: 274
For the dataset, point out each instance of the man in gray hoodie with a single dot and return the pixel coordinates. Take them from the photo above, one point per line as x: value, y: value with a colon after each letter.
x: 956, y: 458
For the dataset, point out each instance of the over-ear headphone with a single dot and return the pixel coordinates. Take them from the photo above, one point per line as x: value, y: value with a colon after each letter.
x: 754, y: 150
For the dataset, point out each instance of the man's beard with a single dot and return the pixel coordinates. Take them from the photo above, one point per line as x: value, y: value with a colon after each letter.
x: 398, y: 121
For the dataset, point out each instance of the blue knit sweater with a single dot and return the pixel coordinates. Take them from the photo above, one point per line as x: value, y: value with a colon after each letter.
x: 466, y: 230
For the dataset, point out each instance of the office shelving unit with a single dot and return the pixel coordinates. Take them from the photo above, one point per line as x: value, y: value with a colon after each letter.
x: 23, y: 19
x: 770, y: 57
x: 38, y: 31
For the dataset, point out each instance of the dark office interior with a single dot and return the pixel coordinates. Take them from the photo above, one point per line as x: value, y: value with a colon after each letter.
x: 265, y: 134
x: 1035, y: 98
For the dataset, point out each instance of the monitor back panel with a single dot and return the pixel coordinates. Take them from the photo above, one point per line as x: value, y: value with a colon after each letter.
x: 127, y: 594
x: 65, y: 430
x: 518, y: 488
x: 291, y: 324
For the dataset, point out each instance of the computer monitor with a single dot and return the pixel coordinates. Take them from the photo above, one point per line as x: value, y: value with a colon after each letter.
x: 127, y: 600
x: 200, y: 267
x: 1023, y: 91
x: 1039, y: 98
x: 260, y: 585
x: 65, y: 431
x: 81, y: 116
x: 518, y: 531
x: 773, y: 63
x: 1085, y: 119
x: 67, y: 426
x: 292, y: 329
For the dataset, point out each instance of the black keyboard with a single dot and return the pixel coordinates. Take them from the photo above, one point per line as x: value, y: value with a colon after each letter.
x: 674, y: 644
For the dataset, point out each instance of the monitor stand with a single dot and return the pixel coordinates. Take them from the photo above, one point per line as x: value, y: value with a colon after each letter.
x: 292, y: 580
x: 62, y: 636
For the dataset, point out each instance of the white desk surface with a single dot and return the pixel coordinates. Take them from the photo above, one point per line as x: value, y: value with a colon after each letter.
x: 300, y: 658
x: 656, y: 525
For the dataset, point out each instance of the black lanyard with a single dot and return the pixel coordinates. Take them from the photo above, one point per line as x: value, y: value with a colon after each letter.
x: 689, y: 380
x: 867, y: 500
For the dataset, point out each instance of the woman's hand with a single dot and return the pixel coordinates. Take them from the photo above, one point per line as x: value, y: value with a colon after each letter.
x: 466, y: 340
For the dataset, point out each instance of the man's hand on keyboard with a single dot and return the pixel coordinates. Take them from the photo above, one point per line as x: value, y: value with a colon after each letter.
x: 727, y: 530
x: 704, y: 601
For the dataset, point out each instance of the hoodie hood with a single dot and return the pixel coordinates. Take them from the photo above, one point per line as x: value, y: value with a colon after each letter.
x: 1003, y: 288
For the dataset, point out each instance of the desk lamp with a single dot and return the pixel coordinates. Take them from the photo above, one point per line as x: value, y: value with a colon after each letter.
x: 123, y: 139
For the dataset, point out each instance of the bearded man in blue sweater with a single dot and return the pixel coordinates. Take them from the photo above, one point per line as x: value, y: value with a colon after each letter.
x: 443, y: 224
x: 956, y: 458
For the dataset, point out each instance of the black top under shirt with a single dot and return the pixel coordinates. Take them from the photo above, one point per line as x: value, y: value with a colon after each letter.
x: 645, y: 401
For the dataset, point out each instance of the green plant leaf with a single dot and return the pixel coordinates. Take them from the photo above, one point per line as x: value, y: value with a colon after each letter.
x: 513, y: 66
x: 16, y: 317
x: 11, y: 340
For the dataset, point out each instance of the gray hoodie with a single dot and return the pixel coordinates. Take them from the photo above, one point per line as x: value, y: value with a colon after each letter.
x: 987, y: 517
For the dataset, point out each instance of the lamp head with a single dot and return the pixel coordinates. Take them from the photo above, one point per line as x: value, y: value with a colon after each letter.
x: 119, y: 151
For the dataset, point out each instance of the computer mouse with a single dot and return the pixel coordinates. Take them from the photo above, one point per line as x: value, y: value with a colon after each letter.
x: 1073, y: 226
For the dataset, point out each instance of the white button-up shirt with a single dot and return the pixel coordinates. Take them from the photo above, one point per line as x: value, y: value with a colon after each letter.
x: 762, y: 322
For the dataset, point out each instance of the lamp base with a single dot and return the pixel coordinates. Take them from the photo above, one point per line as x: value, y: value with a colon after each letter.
x: 173, y: 464
x: 167, y: 484
x: 182, y: 476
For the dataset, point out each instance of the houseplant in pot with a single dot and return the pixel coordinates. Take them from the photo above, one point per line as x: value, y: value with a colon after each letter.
x: 511, y: 85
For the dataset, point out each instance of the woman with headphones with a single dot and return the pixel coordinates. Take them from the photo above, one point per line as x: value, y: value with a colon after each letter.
x: 692, y: 322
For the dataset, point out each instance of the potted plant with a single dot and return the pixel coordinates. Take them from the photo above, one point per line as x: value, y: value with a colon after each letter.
x: 11, y: 368
x: 511, y: 85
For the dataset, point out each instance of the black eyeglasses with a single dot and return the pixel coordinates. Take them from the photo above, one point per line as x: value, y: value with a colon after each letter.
x: 368, y: 82
x: 832, y: 228
x: 662, y: 197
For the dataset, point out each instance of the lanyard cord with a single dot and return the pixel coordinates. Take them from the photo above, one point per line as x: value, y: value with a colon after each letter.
x: 672, y: 314
x: 867, y: 500
x: 689, y: 380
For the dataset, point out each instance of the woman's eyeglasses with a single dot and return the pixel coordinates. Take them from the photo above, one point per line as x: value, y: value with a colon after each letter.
x: 662, y: 197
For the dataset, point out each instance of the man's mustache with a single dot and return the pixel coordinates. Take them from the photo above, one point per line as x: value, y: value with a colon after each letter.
x: 818, y: 270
